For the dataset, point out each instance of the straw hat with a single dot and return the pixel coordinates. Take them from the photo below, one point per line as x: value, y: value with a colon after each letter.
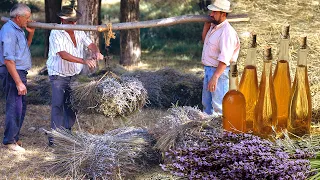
x: 220, y: 5
x: 69, y: 13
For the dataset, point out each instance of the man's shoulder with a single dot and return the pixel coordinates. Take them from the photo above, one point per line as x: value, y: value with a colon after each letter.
x: 8, y: 27
x: 55, y: 31
x: 229, y: 28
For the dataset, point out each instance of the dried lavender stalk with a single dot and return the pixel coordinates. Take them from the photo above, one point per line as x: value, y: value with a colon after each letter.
x: 117, y: 154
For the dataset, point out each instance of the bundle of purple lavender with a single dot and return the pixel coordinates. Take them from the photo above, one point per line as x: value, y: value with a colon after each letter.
x: 204, y: 151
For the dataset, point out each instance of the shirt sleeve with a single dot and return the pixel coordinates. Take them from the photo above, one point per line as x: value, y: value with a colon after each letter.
x: 9, y: 42
x: 85, y: 39
x: 56, y: 43
x: 228, y: 44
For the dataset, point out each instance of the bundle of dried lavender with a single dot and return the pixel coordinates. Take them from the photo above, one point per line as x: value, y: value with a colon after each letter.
x: 110, y: 96
x: 117, y: 154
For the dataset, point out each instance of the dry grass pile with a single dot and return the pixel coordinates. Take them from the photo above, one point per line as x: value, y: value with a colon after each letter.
x: 267, y: 19
x: 39, y: 90
x: 109, y: 96
x: 171, y: 129
x: 120, y: 153
x: 168, y: 86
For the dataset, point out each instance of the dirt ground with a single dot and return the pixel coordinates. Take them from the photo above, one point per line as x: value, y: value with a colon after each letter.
x: 32, y: 164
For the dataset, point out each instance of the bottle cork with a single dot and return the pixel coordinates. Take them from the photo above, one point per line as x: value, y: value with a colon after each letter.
x: 303, y: 42
x: 233, y: 69
x: 285, y: 31
x: 253, y: 40
x: 267, y: 53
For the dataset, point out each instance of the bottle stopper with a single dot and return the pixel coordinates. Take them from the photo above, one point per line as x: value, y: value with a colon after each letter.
x: 233, y: 69
x: 253, y: 41
x: 285, y: 31
x: 303, y: 42
x: 267, y: 53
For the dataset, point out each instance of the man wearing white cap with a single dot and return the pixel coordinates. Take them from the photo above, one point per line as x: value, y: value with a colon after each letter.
x: 221, y: 46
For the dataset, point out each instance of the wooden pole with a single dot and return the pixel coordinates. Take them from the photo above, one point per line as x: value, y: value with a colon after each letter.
x: 134, y: 25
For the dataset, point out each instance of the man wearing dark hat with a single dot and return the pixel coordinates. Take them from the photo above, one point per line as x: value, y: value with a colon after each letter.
x: 65, y: 60
x: 15, y: 61
x: 221, y: 47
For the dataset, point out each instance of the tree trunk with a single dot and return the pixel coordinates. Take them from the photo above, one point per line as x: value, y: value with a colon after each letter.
x: 90, y: 10
x: 130, y: 47
x: 52, y: 7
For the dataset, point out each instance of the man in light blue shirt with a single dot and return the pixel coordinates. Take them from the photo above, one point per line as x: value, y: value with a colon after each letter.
x: 15, y: 61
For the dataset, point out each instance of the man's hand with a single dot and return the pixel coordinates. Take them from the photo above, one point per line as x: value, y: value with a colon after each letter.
x: 212, y: 85
x: 29, y: 29
x: 97, y: 56
x: 22, y: 89
x: 91, y: 63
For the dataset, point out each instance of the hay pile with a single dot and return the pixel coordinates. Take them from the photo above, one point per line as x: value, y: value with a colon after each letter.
x: 39, y: 90
x: 117, y: 154
x: 168, y: 86
x: 110, y: 96
x: 171, y: 129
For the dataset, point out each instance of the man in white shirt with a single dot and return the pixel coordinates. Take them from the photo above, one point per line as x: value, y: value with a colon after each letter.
x: 221, y: 46
x: 65, y: 60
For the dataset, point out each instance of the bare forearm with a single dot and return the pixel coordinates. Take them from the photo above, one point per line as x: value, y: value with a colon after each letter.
x: 11, y: 67
x: 30, y: 37
x: 205, y: 30
x: 93, y: 48
x: 221, y: 67
x: 68, y: 57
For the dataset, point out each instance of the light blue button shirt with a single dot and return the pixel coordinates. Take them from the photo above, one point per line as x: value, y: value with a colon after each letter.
x: 14, y: 46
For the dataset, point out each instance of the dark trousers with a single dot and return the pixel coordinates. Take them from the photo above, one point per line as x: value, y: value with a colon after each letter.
x: 15, y: 108
x: 3, y: 76
x: 62, y: 114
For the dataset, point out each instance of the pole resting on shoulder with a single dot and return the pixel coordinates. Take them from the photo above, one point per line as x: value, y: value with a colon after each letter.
x: 135, y: 25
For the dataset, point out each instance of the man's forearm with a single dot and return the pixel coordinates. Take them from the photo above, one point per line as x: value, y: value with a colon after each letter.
x: 68, y: 57
x: 11, y: 67
x: 205, y: 30
x: 93, y: 48
x: 221, y: 67
x: 30, y: 37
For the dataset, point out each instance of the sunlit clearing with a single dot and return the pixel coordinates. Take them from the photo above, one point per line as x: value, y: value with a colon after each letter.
x: 34, y: 71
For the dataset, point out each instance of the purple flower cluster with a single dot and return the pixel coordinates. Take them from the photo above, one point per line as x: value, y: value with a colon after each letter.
x: 234, y: 156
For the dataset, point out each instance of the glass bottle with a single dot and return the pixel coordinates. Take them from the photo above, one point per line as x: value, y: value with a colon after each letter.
x: 234, y: 104
x: 299, y: 122
x: 282, y: 81
x: 249, y: 83
x: 266, y: 108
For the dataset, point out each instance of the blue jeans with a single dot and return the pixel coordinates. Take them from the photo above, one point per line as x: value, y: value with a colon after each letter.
x: 62, y: 114
x: 15, y: 108
x: 212, y: 101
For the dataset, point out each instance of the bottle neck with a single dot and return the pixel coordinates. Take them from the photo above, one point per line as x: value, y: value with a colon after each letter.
x: 302, y: 57
x: 251, y: 57
x: 267, y: 68
x: 233, y: 82
x: 284, y: 50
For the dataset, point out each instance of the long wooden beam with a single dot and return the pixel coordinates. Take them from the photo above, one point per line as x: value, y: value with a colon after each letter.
x: 135, y: 25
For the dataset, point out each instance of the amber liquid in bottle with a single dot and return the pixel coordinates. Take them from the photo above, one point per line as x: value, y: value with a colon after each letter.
x: 234, y: 105
x: 282, y: 81
x: 266, y: 108
x: 249, y: 84
x: 299, y: 122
